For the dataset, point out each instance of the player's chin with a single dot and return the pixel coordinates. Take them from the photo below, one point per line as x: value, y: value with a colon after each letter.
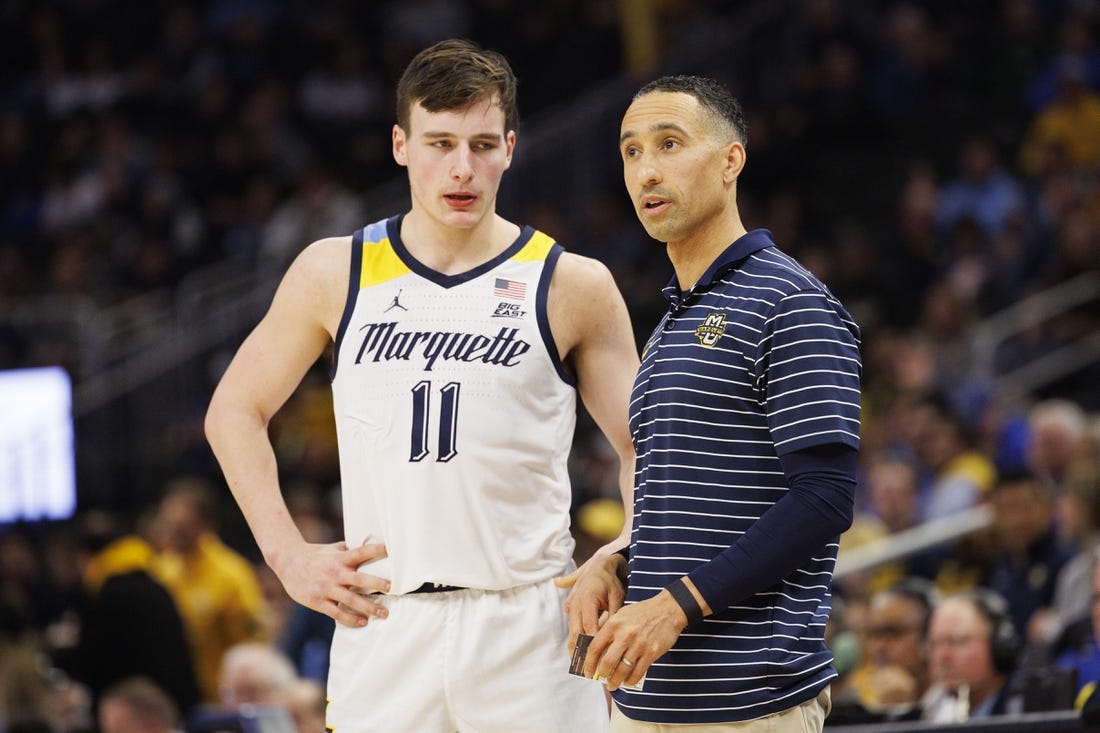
x: 462, y: 218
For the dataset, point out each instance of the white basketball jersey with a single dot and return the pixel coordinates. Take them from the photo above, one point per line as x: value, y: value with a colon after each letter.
x: 454, y: 416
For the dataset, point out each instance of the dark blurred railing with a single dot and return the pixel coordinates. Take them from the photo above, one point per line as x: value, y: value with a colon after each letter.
x: 995, y: 337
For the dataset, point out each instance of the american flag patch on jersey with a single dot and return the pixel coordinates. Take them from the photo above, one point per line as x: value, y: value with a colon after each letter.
x: 511, y: 289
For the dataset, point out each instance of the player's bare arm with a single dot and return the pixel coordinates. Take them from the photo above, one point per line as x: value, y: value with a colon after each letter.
x: 301, y: 322
x: 593, y: 333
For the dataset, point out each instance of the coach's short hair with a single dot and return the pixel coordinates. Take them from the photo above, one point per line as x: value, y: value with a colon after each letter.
x: 711, y: 94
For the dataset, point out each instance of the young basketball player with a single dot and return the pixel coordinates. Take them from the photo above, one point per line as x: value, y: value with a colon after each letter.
x: 461, y: 340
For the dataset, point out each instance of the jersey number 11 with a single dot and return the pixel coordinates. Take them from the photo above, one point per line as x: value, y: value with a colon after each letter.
x: 448, y: 421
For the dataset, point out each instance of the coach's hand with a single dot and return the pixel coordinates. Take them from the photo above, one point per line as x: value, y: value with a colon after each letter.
x: 599, y: 592
x: 325, y: 578
x: 633, y: 639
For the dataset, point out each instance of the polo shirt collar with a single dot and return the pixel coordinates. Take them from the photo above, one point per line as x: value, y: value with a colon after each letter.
x: 730, y: 258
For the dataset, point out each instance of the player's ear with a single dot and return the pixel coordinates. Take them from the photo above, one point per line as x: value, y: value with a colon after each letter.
x: 509, y: 148
x: 400, y: 154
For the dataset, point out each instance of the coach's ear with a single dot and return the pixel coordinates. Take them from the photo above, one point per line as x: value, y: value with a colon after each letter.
x: 399, y: 152
x: 735, y: 162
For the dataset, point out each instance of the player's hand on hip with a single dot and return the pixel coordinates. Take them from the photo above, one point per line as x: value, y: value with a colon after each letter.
x: 596, y: 595
x: 570, y: 580
x: 326, y: 578
x: 633, y: 639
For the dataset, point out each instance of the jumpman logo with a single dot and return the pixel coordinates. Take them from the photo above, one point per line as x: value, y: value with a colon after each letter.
x: 396, y: 303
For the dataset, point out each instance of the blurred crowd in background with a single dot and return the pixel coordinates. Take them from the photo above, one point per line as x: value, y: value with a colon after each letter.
x: 934, y: 163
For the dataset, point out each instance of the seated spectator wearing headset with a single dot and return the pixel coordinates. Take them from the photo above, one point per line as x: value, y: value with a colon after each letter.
x: 973, y: 651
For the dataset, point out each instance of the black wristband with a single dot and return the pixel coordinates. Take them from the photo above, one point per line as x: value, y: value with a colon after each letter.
x: 686, y: 600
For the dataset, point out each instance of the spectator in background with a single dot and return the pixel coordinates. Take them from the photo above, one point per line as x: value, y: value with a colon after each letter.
x: 948, y: 315
x: 320, y: 206
x: 215, y: 588
x: 1057, y: 437
x: 910, y: 58
x: 1076, y: 47
x: 958, y: 476
x: 973, y: 650
x: 1075, y: 250
x: 1030, y: 555
x: 887, y: 505
x: 913, y: 249
x: 892, y: 678
x: 1069, y: 123
x: 35, y: 697
x: 345, y: 99
x: 968, y: 272
x: 304, y: 439
x: 256, y: 673
x: 892, y: 492
x: 130, y: 625
x: 1084, y: 657
x: 967, y: 563
x: 1008, y: 54
x: 1066, y: 624
x: 307, y: 640
x: 24, y: 687
x: 984, y: 191
x: 841, y: 96
x: 842, y: 636
x: 307, y: 703
x: 24, y: 579
x: 137, y: 705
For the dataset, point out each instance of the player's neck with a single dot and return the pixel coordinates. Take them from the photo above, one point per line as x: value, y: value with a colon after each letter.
x: 453, y: 250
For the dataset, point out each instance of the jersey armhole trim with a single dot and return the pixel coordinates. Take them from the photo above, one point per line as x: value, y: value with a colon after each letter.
x: 353, y: 292
x: 541, y: 298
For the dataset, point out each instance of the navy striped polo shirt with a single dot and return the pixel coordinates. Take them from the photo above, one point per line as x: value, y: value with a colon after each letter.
x: 757, y: 360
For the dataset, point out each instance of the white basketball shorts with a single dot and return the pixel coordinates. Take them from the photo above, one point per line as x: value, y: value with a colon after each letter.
x: 465, y: 661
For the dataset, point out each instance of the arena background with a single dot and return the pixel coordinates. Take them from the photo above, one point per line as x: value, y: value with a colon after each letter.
x: 936, y: 163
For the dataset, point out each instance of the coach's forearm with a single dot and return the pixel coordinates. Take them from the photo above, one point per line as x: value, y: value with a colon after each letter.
x: 815, y: 510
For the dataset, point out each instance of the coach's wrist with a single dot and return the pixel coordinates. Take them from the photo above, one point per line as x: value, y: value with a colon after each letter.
x: 688, y: 599
x: 669, y: 608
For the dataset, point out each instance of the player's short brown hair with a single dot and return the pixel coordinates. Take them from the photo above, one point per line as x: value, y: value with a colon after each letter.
x: 454, y: 74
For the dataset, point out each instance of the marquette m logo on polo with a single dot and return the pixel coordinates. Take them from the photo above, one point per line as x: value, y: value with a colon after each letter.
x: 711, y: 330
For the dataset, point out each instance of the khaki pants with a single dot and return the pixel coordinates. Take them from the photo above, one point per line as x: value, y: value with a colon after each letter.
x: 809, y: 717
